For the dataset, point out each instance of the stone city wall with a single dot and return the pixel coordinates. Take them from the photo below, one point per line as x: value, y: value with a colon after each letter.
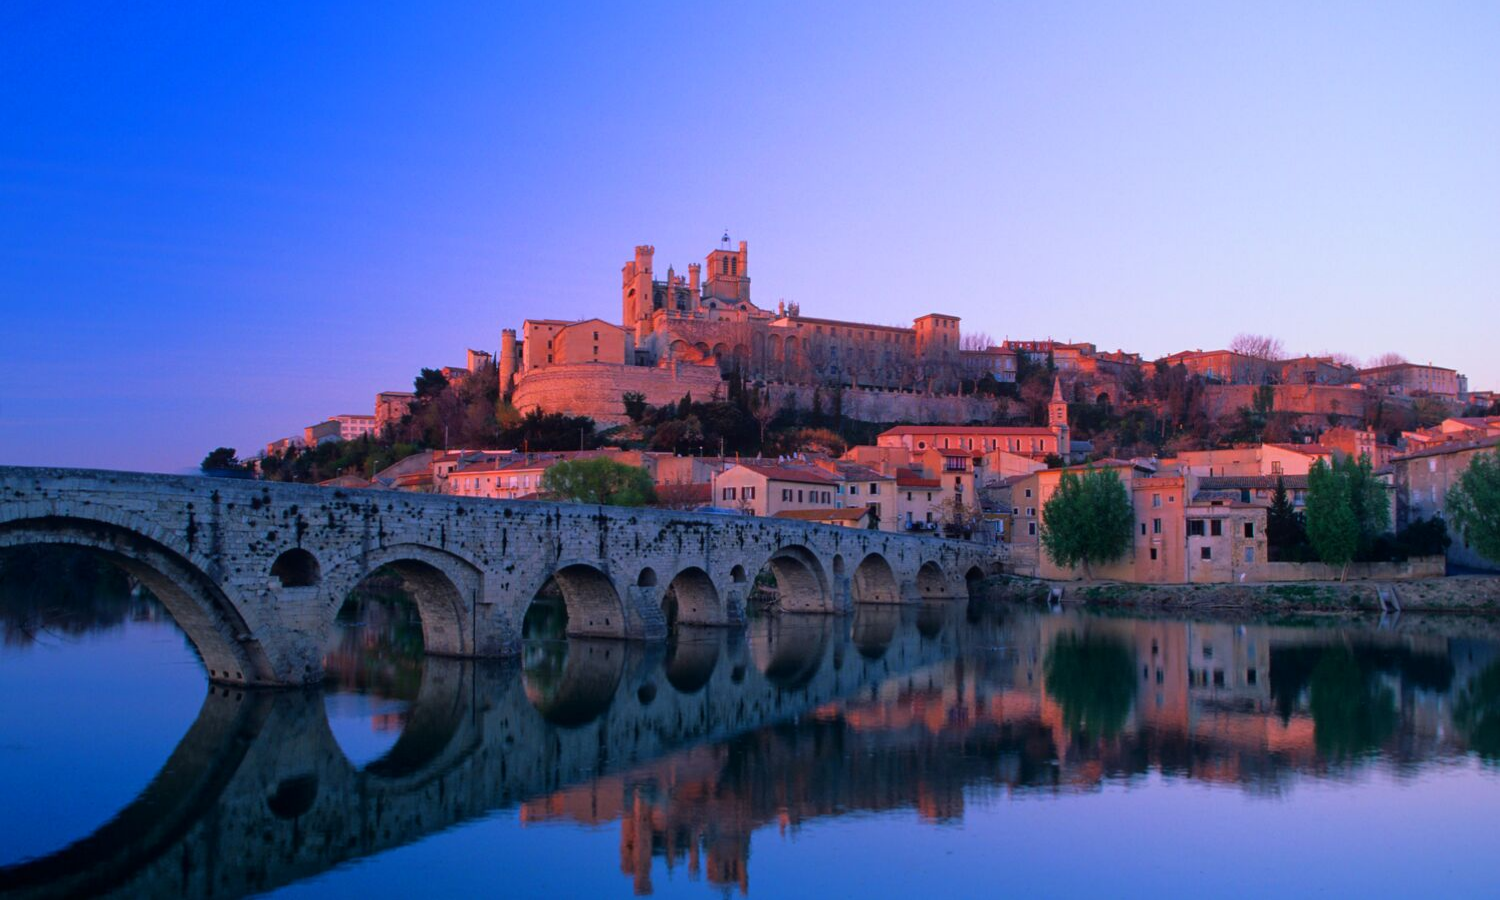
x: 597, y: 390
x: 867, y: 405
x: 1301, y: 399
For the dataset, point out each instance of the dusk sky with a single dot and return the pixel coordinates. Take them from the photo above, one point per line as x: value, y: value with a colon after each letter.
x: 220, y: 223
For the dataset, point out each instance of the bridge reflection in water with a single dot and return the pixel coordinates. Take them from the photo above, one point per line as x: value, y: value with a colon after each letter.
x: 693, y: 746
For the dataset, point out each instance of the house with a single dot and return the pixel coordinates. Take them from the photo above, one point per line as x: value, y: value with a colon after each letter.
x: 765, y: 488
x: 918, y: 500
x: 1260, y: 459
x: 1422, y: 481
x: 1412, y: 379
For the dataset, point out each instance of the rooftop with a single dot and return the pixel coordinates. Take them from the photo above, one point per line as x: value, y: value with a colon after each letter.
x: 851, y: 514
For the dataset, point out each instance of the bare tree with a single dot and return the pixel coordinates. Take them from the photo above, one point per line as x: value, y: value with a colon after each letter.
x: 1340, y: 358
x: 1385, y: 359
x: 764, y: 413
x: 975, y: 340
x: 1263, y: 350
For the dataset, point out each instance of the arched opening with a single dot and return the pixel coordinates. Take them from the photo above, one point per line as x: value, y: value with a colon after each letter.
x: 387, y: 692
x: 1102, y: 399
x: 88, y: 653
x: 974, y: 583
x: 931, y: 583
x: 647, y: 578
x: 838, y: 565
x: 875, y: 581
x: 789, y: 650
x: 296, y: 568
x: 692, y: 600
x: 195, y: 602
x: 792, y: 581
x: 737, y: 574
x: 592, y: 604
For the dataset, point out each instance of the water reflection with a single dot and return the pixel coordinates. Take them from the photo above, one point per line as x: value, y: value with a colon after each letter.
x: 695, y: 752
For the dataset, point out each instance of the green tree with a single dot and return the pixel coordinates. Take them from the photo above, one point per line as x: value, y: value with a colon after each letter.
x: 600, y: 480
x: 1474, y: 505
x: 1332, y: 527
x: 1091, y: 676
x: 1476, y: 712
x: 430, y: 383
x: 1352, y: 712
x: 221, y: 459
x: 635, y: 405
x: 1087, y: 520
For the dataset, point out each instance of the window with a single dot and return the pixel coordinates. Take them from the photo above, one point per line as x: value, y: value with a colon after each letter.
x: 1156, y: 526
x: 1216, y: 528
x: 1143, y: 529
x: 1028, y: 493
x: 1250, y: 676
x: 854, y: 489
x: 1218, y: 678
x: 1195, y: 528
x: 1276, y: 467
x: 1249, y: 554
x: 1153, y: 554
x: 1206, y: 553
x: 1250, y: 530
x: 799, y: 496
x: 1031, y: 511
x: 1031, y: 528
x: 1155, y: 500
x: 728, y: 493
x: 786, y: 494
x: 748, y: 493
x: 908, y: 496
x: 1432, y: 465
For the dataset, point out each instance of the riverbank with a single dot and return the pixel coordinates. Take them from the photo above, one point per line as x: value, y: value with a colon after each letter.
x: 1478, y: 594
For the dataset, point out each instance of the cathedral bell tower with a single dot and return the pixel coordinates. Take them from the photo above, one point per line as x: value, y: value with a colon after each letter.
x: 1057, y: 419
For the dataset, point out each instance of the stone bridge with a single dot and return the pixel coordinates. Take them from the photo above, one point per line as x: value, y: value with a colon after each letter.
x: 259, y: 793
x: 255, y: 572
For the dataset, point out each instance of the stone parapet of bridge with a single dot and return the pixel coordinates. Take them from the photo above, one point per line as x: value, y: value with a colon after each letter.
x: 255, y: 572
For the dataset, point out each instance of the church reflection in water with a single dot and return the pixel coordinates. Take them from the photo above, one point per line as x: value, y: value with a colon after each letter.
x: 693, y: 747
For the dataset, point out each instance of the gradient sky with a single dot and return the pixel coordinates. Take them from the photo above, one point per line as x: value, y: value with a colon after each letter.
x: 222, y: 222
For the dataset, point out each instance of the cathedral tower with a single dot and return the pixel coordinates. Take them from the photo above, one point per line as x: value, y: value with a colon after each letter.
x: 1057, y: 419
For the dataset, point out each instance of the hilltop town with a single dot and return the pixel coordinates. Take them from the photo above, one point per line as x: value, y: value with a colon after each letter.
x: 732, y: 406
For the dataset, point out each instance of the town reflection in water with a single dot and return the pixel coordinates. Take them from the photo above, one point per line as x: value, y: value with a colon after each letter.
x: 688, y: 751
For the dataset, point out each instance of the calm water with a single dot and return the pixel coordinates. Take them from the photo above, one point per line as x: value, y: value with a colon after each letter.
x: 948, y: 750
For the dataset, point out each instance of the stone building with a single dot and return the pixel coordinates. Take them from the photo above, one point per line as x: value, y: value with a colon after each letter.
x: 681, y: 334
x: 1410, y: 378
x: 1422, y: 482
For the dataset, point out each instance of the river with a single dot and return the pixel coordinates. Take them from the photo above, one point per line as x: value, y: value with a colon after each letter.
x: 959, y: 749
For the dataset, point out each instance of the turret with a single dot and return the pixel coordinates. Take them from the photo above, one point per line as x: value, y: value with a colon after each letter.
x: 507, y: 361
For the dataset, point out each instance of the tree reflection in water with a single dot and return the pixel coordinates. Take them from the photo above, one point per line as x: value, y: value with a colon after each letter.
x: 65, y: 592
x: 1476, y: 711
x: 1091, y: 676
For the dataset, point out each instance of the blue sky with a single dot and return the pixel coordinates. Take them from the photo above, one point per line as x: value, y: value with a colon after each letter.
x: 221, y: 223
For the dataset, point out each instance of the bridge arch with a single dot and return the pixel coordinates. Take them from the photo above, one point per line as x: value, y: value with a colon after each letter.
x: 801, y: 583
x: 932, y: 582
x: 205, y: 613
x: 442, y: 584
x: 692, y: 599
x: 692, y: 656
x: 875, y: 581
x: 571, y: 683
x: 592, y: 601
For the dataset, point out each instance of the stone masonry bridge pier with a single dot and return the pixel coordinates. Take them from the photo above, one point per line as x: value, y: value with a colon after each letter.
x: 255, y: 572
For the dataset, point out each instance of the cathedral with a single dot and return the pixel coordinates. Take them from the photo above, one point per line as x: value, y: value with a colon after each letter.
x: 681, y: 334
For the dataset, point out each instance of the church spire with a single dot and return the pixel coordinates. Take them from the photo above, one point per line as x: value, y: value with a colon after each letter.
x: 1057, y: 395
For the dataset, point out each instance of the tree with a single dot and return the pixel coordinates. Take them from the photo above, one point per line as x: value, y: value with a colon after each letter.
x: 1332, y: 528
x: 221, y: 459
x: 600, y: 480
x: 1284, y: 529
x: 764, y: 414
x: 1087, y: 520
x: 1474, y: 505
x: 1262, y: 349
x: 635, y: 405
x: 975, y: 340
x: 430, y: 383
x: 1391, y: 358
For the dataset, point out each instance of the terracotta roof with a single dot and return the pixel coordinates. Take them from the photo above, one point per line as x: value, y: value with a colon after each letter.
x: 345, y: 481
x: 849, y: 514
x: 916, y: 479
x: 1252, y: 482
x: 701, y: 492
x: 804, y: 474
x: 1305, y: 449
x: 1450, y: 447
x: 994, y: 430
